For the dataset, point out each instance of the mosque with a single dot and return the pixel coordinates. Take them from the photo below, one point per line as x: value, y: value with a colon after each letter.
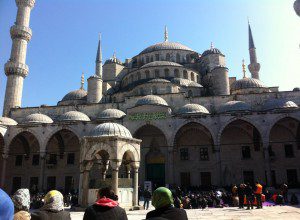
x: 169, y: 115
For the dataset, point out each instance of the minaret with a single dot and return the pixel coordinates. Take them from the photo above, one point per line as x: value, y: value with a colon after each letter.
x: 166, y: 34
x: 253, y: 67
x: 95, y: 81
x: 15, y: 68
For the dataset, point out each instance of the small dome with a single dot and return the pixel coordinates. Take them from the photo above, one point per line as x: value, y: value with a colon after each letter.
x: 110, y: 129
x: 151, y: 100
x: 211, y: 51
x: 273, y: 104
x: 165, y: 46
x: 111, y: 113
x: 74, y: 116
x: 193, y: 109
x: 79, y: 94
x: 296, y: 89
x: 37, y: 118
x: 233, y: 106
x: 113, y: 59
x: 185, y: 82
x: 159, y: 80
x: 247, y: 83
x: 7, y: 121
x: 161, y: 63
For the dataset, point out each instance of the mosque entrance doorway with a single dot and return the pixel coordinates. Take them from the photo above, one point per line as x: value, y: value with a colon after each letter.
x: 155, y: 167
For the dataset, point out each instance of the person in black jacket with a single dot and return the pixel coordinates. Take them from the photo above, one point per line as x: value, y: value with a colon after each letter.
x: 241, y: 195
x: 249, y: 195
x: 106, y: 207
x: 162, y: 200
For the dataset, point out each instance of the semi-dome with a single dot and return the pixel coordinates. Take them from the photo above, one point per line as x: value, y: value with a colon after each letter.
x: 273, y: 104
x: 233, y: 106
x: 193, y: 109
x: 74, y: 116
x: 161, y: 63
x: 79, y: 94
x: 7, y: 121
x: 37, y: 118
x: 111, y: 113
x: 165, y: 46
x: 151, y: 100
x: 110, y: 129
x: 211, y: 51
x: 185, y: 82
x: 247, y: 83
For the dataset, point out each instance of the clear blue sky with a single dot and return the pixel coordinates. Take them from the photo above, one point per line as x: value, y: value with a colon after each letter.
x: 65, y: 34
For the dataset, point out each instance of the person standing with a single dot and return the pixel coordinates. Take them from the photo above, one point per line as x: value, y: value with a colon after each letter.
x: 249, y: 196
x: 147, y: 197
x: 163, y: 202
x: 21, y: 200
x: 241, y: 195
x: 106, y: 207
x: 257, y: 194
x: 284, y: 192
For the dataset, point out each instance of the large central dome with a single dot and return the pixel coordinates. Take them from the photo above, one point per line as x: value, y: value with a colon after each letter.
x: 165, y: 46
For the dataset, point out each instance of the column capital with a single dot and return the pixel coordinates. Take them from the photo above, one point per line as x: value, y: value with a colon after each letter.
x: 115, y: 164
x: 4, y: 156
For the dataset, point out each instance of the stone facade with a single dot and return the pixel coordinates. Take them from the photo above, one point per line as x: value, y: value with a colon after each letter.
x: 232, y: 132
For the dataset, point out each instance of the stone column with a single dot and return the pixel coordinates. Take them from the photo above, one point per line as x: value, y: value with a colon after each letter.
x: 3, y: 172
x: 217, y: 152
x: 42, y: 171
x: 136, y: 186
x: 85, y: 188
x: 170, y: 165
x: 115, y: 165
x: 267, y: 163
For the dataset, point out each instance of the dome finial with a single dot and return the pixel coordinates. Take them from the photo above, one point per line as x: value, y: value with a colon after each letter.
x: 166, y: 34
x: 244, y: 69
x: 82, y: 80
x: 114, y: 55
x: 211, y: 45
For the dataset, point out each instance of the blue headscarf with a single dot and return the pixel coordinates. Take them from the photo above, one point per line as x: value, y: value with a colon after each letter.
x: 6, y: 206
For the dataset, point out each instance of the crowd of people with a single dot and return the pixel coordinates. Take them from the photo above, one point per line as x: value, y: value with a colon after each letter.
x: 169, y: 204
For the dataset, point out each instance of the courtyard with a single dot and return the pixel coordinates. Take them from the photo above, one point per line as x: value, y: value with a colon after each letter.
x: 273, y: 212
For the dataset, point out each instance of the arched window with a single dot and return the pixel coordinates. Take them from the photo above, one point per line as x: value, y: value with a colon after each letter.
x: 138, y: 76
x: 169, y: 89
x: 157, y: 57
x: 190, y: 93
x: 147, y: 72
x: 192, y: 76
x: 156, y: 73
x: 168, y: 56
x: 167, y: 73
x: 131, y: 79
x: 176, y: 73
x: 154, y: 90
x: 177, y: 58
x: 147, y: 59
x: 151, y: 59
x: 187, y: 58
x: 198, y: 79
x: 185, y: 74
x: 142, y: 91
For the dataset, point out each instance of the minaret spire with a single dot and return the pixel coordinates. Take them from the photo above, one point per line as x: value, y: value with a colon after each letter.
x: 254, y: 66
x: 166, y: 34
x: 99, y: 59
x: 244, y: 68
x: 82, y: 81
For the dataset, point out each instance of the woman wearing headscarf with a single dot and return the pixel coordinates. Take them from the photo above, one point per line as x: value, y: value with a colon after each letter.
x: 163, y: 202
x: 21, y: 200
x: 53, y: 208
x: 6, y: 206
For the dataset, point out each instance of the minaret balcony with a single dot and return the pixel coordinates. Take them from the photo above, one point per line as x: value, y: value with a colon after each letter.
x: 15, y: 68
x: 18, y: 31
x: 25, y: 3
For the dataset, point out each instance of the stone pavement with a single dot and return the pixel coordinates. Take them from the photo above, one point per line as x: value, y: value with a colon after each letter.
x: 274, y: 213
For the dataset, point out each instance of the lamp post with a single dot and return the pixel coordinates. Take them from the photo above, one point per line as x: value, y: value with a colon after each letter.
x: 297, y: 7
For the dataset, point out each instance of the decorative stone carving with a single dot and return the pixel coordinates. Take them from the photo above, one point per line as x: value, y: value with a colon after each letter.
x: 25, y: 3
x: 18, y: 31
